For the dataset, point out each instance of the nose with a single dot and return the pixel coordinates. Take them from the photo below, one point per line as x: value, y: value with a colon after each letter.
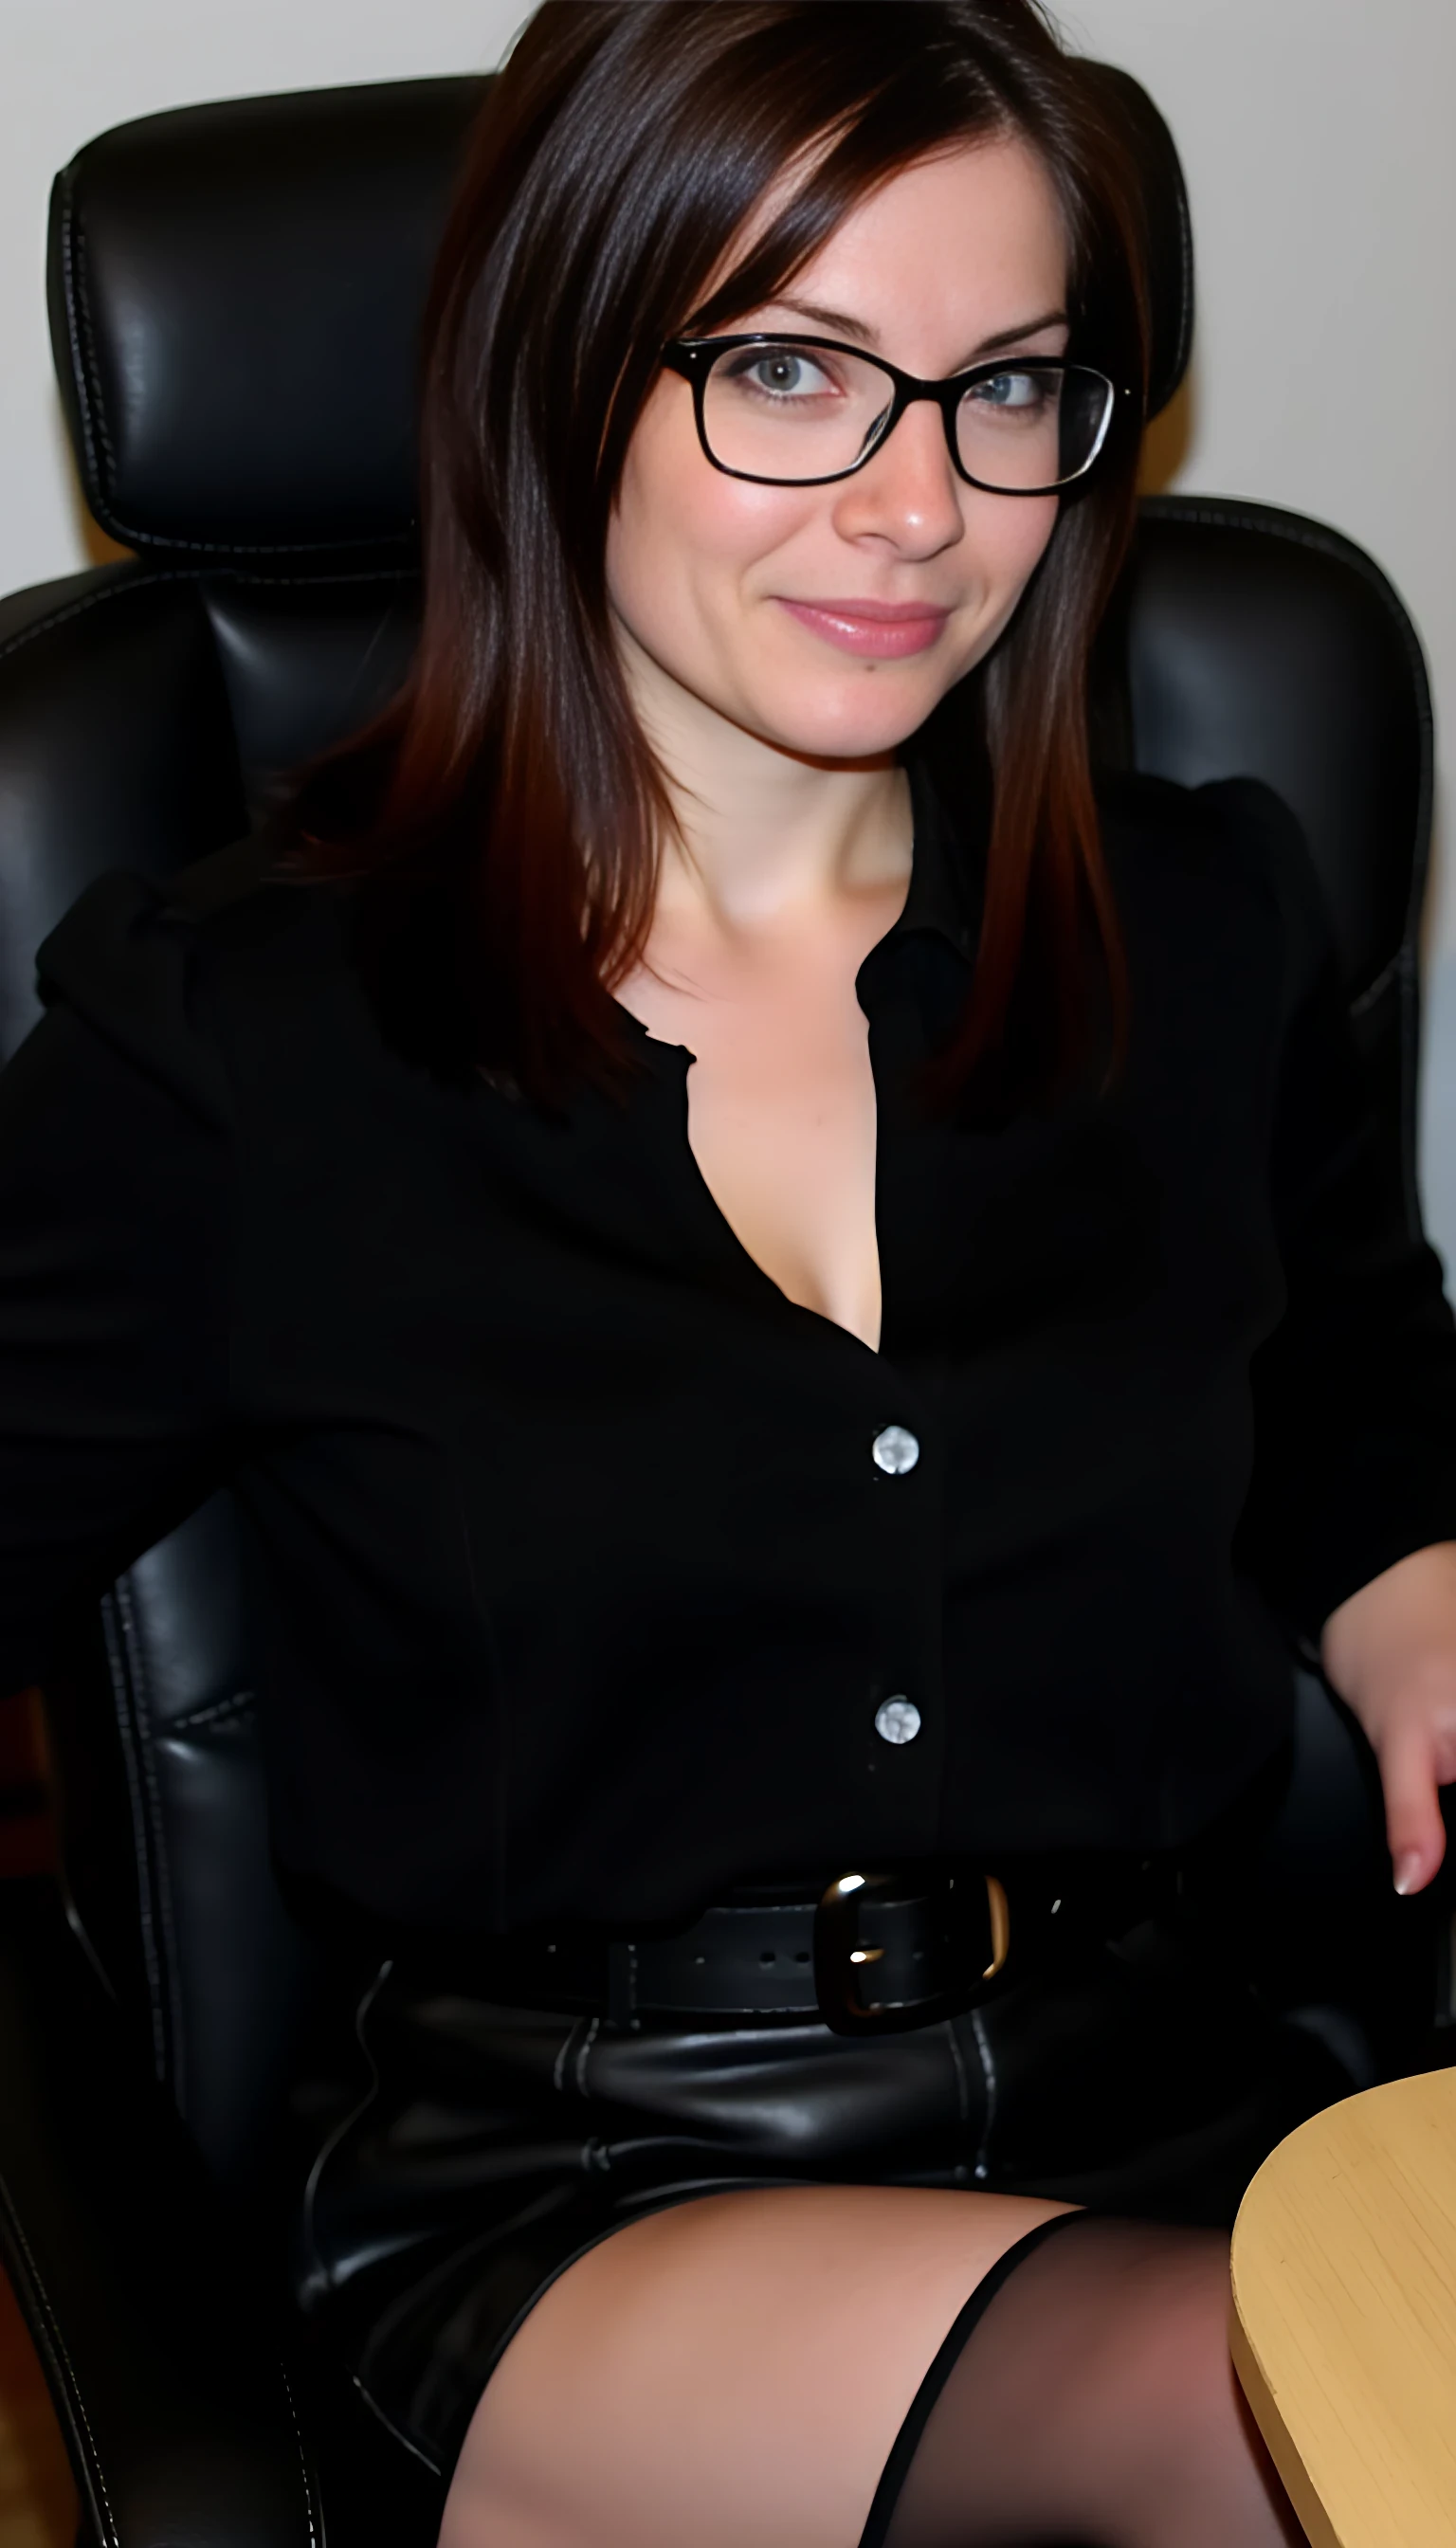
x: 908, y: 492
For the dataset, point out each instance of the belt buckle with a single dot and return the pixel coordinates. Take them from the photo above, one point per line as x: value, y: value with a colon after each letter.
x: 866, y: 1923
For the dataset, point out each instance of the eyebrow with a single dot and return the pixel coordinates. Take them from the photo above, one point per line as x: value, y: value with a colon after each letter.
x: 839, y: 323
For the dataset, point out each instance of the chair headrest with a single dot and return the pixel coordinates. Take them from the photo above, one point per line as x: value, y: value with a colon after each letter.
x: 235, y: 296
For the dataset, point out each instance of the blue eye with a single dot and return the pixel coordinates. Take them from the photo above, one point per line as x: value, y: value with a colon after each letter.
x: 1015, y: 392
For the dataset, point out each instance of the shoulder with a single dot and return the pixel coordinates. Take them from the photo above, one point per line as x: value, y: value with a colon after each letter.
x: 180, y: 974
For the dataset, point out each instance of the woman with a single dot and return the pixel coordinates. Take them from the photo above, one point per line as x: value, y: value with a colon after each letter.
x: 745, y: 1291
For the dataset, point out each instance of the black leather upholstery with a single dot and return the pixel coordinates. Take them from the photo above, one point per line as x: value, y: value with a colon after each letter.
x: 241, y: 379
x: 233, y: 295
x: 154, y: 2334
x: 1259, y: 641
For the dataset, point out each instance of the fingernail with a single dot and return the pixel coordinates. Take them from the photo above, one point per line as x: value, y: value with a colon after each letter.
x: 1407, y: 1870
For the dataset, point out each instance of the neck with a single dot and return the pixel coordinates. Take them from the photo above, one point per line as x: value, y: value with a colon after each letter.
x: 764, y: 833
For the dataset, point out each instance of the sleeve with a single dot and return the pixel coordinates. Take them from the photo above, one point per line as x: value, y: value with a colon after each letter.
x: 115, y: 1212
x: 1355, y: 1390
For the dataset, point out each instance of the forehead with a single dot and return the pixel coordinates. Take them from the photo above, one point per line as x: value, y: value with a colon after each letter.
x: 972, y: 237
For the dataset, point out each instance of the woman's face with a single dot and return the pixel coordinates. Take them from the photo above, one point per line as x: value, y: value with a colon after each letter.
x: 724, y: 592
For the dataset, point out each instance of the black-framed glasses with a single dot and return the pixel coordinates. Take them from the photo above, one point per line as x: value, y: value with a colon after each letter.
x: 803, y: 411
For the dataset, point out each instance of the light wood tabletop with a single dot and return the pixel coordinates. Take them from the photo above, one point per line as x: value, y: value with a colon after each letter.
x: 1343, y: 2325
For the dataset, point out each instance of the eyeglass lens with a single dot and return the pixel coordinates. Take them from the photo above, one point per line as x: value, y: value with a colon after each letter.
x: 791, y: 412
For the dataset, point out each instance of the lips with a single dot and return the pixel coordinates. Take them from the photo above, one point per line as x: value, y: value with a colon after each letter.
x: 879, y: 628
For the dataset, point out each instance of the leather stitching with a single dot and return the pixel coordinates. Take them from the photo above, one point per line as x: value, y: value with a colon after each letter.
x: 67, y: 2368
x: 170, y: 1968
x: 37, y: 628
x: 115, y: 1657
x: 78, y: 363
x: 222, y: 1711
x: 135, y: 539
x: 87, y: 601
x: 298, y: 2434
x: 72, y: 334
x: 91, y: 372
x: 1184, y: 348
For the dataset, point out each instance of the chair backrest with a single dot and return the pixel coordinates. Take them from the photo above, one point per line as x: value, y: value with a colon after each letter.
x: 233, y: 294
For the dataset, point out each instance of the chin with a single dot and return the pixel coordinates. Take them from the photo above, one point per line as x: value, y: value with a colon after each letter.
x: 874, y: 716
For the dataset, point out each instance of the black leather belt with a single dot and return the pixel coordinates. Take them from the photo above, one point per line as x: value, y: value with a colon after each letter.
x: 873, y: 1954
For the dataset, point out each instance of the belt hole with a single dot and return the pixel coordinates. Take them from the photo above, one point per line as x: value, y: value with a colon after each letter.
x: 767, y: 1957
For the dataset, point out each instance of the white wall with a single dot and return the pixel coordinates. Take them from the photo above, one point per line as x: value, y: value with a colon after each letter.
x: 1316, y: 139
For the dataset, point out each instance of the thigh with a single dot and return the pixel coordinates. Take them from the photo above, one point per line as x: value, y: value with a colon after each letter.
x: 734, y: 2368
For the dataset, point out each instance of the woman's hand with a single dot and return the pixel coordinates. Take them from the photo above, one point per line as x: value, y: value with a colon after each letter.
x: 1389, y: 1651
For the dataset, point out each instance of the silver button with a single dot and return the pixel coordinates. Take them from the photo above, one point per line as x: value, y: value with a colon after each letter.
x: 898, y: 1720
x: 895, y: 1450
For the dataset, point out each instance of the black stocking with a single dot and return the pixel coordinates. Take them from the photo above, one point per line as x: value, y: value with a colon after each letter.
x: 1084, y: 2398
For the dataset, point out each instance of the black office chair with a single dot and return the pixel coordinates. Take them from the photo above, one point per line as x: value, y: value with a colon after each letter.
x: 234, y: 298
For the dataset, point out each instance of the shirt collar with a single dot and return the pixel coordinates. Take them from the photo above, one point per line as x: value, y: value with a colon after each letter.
x: 951, y: 819
x: 946, y: 873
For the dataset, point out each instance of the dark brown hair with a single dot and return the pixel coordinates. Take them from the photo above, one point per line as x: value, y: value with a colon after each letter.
x: 504, y: 810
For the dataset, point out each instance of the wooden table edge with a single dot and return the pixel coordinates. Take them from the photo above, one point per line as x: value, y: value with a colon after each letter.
x: 1292, y: 2473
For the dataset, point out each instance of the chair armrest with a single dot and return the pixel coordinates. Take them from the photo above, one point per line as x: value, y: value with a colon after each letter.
x: 162, y: 2363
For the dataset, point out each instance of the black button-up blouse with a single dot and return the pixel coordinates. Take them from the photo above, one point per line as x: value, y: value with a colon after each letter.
x: 591, y: 1575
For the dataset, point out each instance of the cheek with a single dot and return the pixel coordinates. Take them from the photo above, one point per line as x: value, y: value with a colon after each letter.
x: 1009, y: 543
x: 684, y: 539
x: 685, y: 542
x: 1015, y: 539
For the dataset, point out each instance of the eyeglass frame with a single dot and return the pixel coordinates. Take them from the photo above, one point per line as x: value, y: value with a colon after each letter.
x: 684, y: 356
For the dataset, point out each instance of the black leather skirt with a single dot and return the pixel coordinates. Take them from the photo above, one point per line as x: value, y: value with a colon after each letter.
x: 486, y: 2146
